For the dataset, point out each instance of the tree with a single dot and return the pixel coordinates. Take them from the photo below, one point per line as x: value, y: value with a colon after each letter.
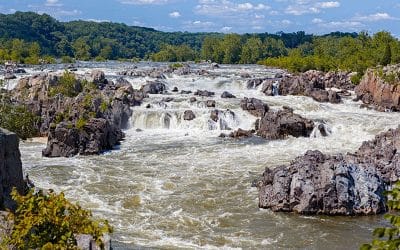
x: 387, y: 56
x: 81, y: 49
x: 251, y: 50
x: 392, y: 234
x: 231, y: 46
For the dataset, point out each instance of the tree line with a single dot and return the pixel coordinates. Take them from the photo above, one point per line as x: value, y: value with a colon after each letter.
x: 31, y: 38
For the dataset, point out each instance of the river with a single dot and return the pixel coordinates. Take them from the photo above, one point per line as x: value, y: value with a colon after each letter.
x: 174, y: 184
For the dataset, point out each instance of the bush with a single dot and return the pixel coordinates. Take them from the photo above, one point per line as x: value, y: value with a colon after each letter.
x: 49, y: 221
x: 19, y: 120
x: 356, y: 78
x: 67, y: 85
x: 80, y: 123
x: 388, y: 238
x: 67, y: 59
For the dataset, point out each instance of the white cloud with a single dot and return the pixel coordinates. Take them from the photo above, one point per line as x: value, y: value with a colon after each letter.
x: 68, y: 12
x: 317, y: 20
x: 227, y: 8
x: 375, y: 17
x: 53, y: 3
x: 226, y: 29
x: 301, y: 7
x: 326, y: 5
x: 175, y: 14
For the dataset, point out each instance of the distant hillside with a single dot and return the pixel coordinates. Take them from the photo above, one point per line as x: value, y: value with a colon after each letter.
x: 112, y: 40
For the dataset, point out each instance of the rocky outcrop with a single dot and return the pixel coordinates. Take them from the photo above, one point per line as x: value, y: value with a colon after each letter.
x: 94, y: 137
x: 351, y: 184
x: 374, y: 90
x: 254, y: 106
x: 10, y: 168
x: 311, y: 83
x: 239, y: 133
x: 204, y: 93
x: 226, y: 94
x: 320, y: 184
x: 282, y: 123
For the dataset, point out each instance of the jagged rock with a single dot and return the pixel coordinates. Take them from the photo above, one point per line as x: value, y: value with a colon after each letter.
x: 9, y: 76
x: 210, y: 103
x: 10, y: 169
x: 282, y: 123
x: 204, y: 93
x: 214, y: 115
x: 226, y: 94
x: 254, y: 106
x: 167, y: 99
x: 320, y: 184
x: 374, y: 90
x: 19, y: 71
x: 188, y: 115
x: 186, y: 92
x: 240, y: 133
x: 96, y: 136
x: 98, y: 77
x: 175, y: 89
x: 192, y: 99
x: 155, y: 87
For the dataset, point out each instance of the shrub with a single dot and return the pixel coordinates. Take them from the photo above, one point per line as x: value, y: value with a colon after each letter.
x: 80, y: 123
x: 66, y: 85
x: 19, y: 120
x: 103, y: 106
x: 67, y: 59
x: 49, y: 221
x: 388, y: 238
x: 356, y: 78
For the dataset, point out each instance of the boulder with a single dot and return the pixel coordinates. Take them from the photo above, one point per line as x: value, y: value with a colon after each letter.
x: 254, y: 106
x: 154, y: 87
x: 204, y: 93
x: 9, y: 76
x: 226, y: 94
x: 210, y: 103
x: 188, y: 115
x: 175, y: 89
x: 192, y: 99
x: 186, y: 92
x: 282, y: 123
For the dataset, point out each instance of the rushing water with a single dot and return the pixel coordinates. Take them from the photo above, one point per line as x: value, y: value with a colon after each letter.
x: 174, y: 184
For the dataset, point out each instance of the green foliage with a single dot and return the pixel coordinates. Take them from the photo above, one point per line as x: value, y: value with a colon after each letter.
x: 50, y: 221
x: 171, y: 53
x: 387, y: 56
x: 176, y: 65
x: 80, y: 123
x: 67, y: 85
x: 67, y: 59
x: 18, y: 119
x: 356, y: 78
x: 103, y: 106
x: 388, y: 238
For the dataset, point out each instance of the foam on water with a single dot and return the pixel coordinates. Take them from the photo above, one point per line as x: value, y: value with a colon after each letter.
x: 175, y: 184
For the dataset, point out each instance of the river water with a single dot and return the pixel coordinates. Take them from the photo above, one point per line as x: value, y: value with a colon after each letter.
x: 174, y: 184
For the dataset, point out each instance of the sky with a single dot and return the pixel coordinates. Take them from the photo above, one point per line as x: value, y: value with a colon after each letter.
x: 228, y: 16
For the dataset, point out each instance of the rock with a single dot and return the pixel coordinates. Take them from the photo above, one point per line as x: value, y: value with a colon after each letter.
x: 155, y: 87
x: 10, y: 169
x: 9, y: 76
x: 254, y: 106
x: 96, y: 136
x: 19, y: 71
x: 204, y: 93
x: 148, y: 106
x: 87, y: 242
x: 175, y: 89
x: 214, y: 115
x: 98, y: 77
x: 245, y: 75
x: 215, y: 65
x: 192, y: 99
x: 186, y: 92
x: 311, y: 83
x: 240, y: 133
x: 374, y: 90
x: 254, y: 83
x: 210, y: 103
x: 167, y: 99
x: 226, y: 94
x: 320, y: 184
x: 188, y: 115
x: 282, y: 123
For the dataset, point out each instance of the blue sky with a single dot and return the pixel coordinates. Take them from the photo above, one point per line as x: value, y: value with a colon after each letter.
x: 240, y: 16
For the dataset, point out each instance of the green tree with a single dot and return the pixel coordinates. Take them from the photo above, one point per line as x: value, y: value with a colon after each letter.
x: 251, y: 50
x: 387, y: 56
x: 389, y: 237
x: 81, y: 49
x: 231, y: 46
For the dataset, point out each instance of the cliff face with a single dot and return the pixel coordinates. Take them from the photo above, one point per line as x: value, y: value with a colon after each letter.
x: 376, y: 91
x: 10, y: 168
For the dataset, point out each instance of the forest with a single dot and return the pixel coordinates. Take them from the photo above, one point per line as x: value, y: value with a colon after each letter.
x: 30, y: 38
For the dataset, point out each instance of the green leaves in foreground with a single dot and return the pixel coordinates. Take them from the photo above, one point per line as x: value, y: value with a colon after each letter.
x: 388, y: 238
x: 49, y: 221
